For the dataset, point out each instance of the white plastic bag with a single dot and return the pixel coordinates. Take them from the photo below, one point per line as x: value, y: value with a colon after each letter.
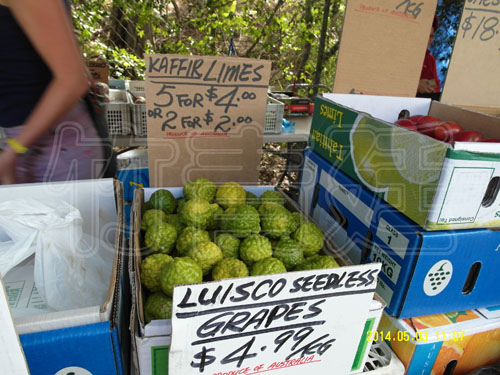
x: 70, y: 270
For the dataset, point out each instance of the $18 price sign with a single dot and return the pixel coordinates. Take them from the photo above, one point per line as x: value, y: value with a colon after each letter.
x: 480, y: 22
x: 291, y: 322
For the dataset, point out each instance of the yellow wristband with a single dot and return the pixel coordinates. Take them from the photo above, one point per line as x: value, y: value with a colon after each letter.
x: 16, y: 146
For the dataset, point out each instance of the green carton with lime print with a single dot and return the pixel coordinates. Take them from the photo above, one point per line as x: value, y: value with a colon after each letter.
x: 437, y: 185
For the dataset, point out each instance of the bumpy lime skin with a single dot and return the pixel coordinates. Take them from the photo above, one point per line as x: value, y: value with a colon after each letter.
x: 200, y: 188
x: 229, y: 268
x: 190, y: 237
x: 230, y: 194
x: 272, y: 196
x: 206, y: 254
x: 229, y: 244
x: 311, y: 237
x: 252, y: 200
x: 163, y: 199
x: 176, y: 221
x: 267, y: 266
x: 290, y: 252
x: 151, y: 269
x: 317, y: 262
x: 196, y: 212
x: 254, y: 248
x: 151, y: 217
x: 161, y: 238
x: 182, y: 270
x: 157, y: 306
x: 277, y: 222
x: 215, y: 218
x: 241, y: 221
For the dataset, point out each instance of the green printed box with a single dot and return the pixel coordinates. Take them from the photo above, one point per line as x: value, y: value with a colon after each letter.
x: 438, y: 185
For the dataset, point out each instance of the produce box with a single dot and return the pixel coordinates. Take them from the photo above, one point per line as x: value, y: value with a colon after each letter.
x: 436, y: 184
x: 423, y: 272
x: 91, y: 340
x: 152, y: 342
x: 454, y: 343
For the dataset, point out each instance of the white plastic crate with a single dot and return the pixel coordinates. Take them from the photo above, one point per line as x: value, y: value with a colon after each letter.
x: 137, y: 87
x: 383, y: 361
x: 118, y: 113
x: 139, y: 119
x: 274, y: 116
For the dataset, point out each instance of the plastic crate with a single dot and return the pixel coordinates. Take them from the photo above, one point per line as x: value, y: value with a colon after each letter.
x: 118, y: 113
x: 137, y: 87
x: 139, y: 119
x: 274, y: 116
x: 382, y: 361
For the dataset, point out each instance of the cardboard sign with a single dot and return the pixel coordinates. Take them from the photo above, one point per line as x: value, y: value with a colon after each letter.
x: 382, y: 47
x: 99, y: 70
x: 294, y: 322
x: 11, y: 355
x: 473, y: 77
x: 205, y: 118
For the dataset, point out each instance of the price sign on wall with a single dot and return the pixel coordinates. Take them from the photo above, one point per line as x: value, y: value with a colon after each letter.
x: 473, y: 77
x: 287, y: 323
x: 382, y: 46
x: 205, y: 118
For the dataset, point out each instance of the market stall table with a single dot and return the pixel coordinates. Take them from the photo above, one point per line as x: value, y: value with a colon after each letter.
x: 301, y: 134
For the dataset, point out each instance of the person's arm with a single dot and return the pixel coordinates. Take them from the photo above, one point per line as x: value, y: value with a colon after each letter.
x: 47, y: 25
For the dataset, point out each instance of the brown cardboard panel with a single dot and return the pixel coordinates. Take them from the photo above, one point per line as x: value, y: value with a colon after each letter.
x: 99, y: 70
x: 473, y: 77
x: 205, y: 118
x: 383, y: 46
x: 487, y: 125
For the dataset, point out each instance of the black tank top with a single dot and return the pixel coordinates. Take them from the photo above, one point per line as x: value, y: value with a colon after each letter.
x: 23, y: 74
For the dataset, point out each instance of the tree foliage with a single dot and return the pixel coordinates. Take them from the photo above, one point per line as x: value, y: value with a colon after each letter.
x: 285, y: 32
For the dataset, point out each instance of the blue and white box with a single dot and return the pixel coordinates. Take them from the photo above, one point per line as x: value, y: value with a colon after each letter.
x: 423, y: 272
x: 89, y: 340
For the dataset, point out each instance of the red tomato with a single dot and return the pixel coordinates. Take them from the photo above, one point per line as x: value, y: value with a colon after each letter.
x: 406, y: 123
x: 415, y: 118
x: 467, y: 136
x: 427, y: 124
x: 446, y: 130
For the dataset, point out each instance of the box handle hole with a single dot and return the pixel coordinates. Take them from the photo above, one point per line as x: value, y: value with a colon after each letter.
x: 338, y: 216
x: 315, y: 196
x: 367, y: 247
x: 470, y: 282
x: 491, y: 192
x: 450, y: 367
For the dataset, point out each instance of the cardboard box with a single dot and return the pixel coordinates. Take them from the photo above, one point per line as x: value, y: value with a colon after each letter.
x: 382, y: 47
x: 87, y: 340
x: 455, y: 343
x: 436, y: 185
x: 99, y: 70
x: 423, y: 272
x: 151, y: 342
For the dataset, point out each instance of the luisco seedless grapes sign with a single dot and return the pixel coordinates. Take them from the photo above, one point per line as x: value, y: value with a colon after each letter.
x: 284, y: 323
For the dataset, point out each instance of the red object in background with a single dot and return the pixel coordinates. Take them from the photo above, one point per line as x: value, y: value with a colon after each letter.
x: 467, y: 136
x: 492, y: 140
x: 406, y: 123
x: 446, y: 130
x: 427, y: 124
x: 415, y: 118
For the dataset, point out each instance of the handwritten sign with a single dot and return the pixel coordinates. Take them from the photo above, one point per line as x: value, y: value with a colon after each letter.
x: 382, y: 46
x: 294, y: 322
x: 473, y: 77
x: 205, y: 118
x: 99, y: 70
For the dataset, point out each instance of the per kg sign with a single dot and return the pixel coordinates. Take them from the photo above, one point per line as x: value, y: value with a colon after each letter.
x: 286, y: 323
